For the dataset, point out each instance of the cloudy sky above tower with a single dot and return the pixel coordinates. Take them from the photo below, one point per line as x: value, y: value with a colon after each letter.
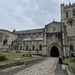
x: 29, y: 14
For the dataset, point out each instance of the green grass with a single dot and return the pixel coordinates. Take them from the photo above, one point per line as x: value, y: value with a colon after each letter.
x: 71, y: 62
x: 13, y: 57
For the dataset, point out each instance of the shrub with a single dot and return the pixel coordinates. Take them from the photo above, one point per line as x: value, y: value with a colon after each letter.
x: 72, y: 59
x: 3, y: 58
x: 73, y: 68
x: 26, y: 55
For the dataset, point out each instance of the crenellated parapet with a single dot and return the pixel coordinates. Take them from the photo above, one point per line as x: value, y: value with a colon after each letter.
x: 68, y: 5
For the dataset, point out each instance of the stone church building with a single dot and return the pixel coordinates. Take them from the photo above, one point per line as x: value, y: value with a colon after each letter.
x: 55, y: 39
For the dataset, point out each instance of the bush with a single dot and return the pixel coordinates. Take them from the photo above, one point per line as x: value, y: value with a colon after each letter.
x: 72, y: 59
x: 3, y: 58
x: 73, y: 68
x: 26, y: 55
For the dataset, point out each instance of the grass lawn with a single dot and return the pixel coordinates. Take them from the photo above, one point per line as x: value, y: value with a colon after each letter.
x: 12, y: 57
x: 71, y: 62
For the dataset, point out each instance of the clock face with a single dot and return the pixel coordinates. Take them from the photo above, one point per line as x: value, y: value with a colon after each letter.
x: 70, y: 21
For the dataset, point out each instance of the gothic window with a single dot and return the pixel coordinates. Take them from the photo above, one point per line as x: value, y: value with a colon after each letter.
x: 40, y: 47
x: 15, y: 47
x: 33, y: 47
x: 54, y: 28
x: 67, y: 14
x: 71, y: 47
x: 5, y: 42
x: 26, y: 47
x: 73, y: 12
x: 1, y: 35
x: 20, y: 47
x: 9, y: 46
x: 12, y: 43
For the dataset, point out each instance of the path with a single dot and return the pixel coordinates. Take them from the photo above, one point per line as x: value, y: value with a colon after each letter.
x: 59, y: 70
x: 15, y: 69
x: 46, y: 67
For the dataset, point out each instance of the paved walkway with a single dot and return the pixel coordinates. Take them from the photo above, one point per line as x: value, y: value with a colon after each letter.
x: 15, y: 69
x: 59, y: 70
x: 46, y: 67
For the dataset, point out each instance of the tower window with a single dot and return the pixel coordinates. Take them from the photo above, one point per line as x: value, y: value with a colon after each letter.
x: 73, y: 12
x: 67, y: 14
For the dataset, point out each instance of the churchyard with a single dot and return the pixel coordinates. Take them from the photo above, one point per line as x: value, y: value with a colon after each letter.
x: 16, y: 57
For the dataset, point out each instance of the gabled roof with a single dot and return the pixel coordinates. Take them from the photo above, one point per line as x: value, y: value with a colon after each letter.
x: 54, y: 22
x: 6, y: 31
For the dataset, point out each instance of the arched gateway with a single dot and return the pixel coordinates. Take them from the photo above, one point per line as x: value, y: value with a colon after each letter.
x: 54, y: 52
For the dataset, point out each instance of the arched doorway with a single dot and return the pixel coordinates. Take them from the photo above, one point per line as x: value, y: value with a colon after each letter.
x: 54, y: 52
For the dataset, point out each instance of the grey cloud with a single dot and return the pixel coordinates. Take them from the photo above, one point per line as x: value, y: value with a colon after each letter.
x: 26, y: 14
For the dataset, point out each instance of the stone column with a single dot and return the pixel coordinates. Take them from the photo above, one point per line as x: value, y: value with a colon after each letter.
x: 44, y: 51
x: 63, y: 41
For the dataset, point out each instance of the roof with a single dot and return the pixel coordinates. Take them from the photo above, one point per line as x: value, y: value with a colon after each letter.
x: 55, y: 22
x: 29, y: 31
x: 29, y: 39
x: 6, y: 31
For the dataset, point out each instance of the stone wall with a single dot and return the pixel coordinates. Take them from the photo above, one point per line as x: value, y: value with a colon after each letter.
x: 7, y: 38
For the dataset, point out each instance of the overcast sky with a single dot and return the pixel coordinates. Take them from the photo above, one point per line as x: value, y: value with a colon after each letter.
x: 29, y: 14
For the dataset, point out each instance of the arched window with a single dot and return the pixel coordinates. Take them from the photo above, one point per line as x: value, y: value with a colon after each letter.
x: 40, y: 47
x: 5, y: 42
x: 73, y: 12
x: 12, y: 43
x: 33, y: 47
x: 67, y: 14
x: 26, y: 47
x: 20, y: 47
x: 1, y: 35
x: 71, y: 47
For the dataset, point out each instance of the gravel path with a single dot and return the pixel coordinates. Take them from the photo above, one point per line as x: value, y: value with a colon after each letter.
x: 46, y: 67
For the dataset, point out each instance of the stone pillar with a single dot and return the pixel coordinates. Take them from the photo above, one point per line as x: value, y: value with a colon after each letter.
x: 44, y: 51
x: 62, y: 13
x: 63, y: 41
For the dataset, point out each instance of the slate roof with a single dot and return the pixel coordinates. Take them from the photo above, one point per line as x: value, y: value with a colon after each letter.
x: 29, y: 39
x: 29, y: 31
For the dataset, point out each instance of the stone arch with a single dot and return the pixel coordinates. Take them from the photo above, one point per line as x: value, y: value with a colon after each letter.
x: 54, y: 52
x: 52, y: 46
x: 33, y: 47
x: 71, y: 47
x: 40, y: 47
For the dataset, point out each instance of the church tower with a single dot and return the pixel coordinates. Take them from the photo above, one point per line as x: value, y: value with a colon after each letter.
x: 67, y: 13
x: 68, y: 18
